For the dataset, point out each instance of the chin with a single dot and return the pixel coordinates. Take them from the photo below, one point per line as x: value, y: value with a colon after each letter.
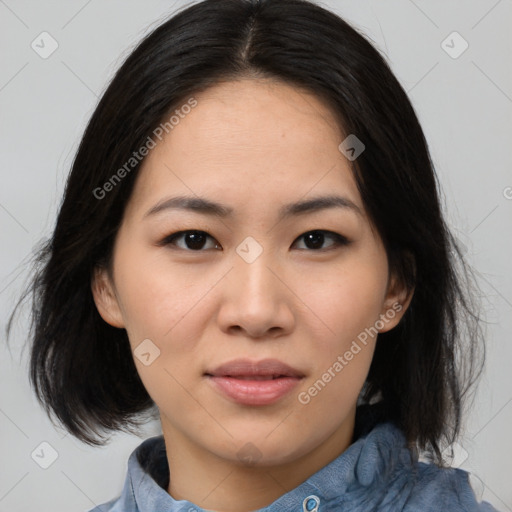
x: 264, y: 450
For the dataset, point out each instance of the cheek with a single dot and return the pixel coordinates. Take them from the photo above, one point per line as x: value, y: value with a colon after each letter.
x: 158, y: 299
x: 348, y: 305
x: 346, y: 302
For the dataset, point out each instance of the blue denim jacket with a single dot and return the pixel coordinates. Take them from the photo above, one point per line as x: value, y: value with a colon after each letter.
x: 376, y: 473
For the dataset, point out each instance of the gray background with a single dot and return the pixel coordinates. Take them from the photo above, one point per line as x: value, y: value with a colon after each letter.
x: 464, y: 105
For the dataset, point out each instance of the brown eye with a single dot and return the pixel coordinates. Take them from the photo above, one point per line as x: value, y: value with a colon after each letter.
x: 192, y: 240
x: 314, y: 240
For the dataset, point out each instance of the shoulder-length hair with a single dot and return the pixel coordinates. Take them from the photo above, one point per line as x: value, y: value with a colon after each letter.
x: 82, y: 369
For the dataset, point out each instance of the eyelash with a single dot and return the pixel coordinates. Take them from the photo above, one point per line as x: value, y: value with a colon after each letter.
x: 339, y: 240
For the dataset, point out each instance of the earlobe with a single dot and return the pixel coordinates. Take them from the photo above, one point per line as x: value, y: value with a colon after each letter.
x: 105, y: 298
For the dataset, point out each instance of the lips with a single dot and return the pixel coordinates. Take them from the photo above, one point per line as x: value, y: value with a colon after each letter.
x: 255, y: 370
x: 254, y: 382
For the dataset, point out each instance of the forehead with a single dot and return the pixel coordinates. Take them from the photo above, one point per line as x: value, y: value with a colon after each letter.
x: 250, y: 142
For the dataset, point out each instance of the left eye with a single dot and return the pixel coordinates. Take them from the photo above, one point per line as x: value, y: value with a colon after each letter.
x: 314, y: 239
x: 196, y: 240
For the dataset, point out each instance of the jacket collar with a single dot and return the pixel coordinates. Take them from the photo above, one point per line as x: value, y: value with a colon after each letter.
x: 378, y: 454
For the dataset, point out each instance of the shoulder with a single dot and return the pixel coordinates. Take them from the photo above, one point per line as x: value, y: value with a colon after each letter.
x: 114, y: 505
x: 146, y: 469
x: 396, y: 480
x: 433, y: 488
x: 123, y: 503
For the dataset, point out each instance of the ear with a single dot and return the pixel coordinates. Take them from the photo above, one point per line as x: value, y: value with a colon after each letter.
x: 105, y: 298
x: 398, y: 299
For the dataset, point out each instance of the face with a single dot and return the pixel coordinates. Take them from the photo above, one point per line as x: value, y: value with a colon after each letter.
x: 253, y: 280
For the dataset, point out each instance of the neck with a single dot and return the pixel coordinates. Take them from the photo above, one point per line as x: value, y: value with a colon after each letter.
x: 225, y: 485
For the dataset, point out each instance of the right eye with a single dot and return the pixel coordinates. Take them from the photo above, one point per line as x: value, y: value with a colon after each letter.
x: 192, y: 240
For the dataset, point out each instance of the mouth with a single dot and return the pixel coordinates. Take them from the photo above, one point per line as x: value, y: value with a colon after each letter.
x: 255, y: 370
x: 249, y: 382
x: 253, y: 377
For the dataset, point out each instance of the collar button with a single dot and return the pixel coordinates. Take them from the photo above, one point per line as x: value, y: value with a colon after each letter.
x: 311, y: 504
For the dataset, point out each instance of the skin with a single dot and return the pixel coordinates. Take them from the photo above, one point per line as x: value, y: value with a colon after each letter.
x: 253, y: 145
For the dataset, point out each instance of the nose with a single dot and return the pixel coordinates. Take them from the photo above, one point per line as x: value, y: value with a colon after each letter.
x: 257, y: 301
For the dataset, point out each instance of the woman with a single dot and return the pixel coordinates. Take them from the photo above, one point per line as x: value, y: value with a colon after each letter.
x: 251, y: 245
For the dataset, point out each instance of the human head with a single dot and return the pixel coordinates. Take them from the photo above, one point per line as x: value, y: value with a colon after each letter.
x: 304, y: 289
x: 304, y: 45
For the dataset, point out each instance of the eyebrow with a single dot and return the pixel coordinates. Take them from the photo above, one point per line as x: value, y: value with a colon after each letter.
x: 207, y: 207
